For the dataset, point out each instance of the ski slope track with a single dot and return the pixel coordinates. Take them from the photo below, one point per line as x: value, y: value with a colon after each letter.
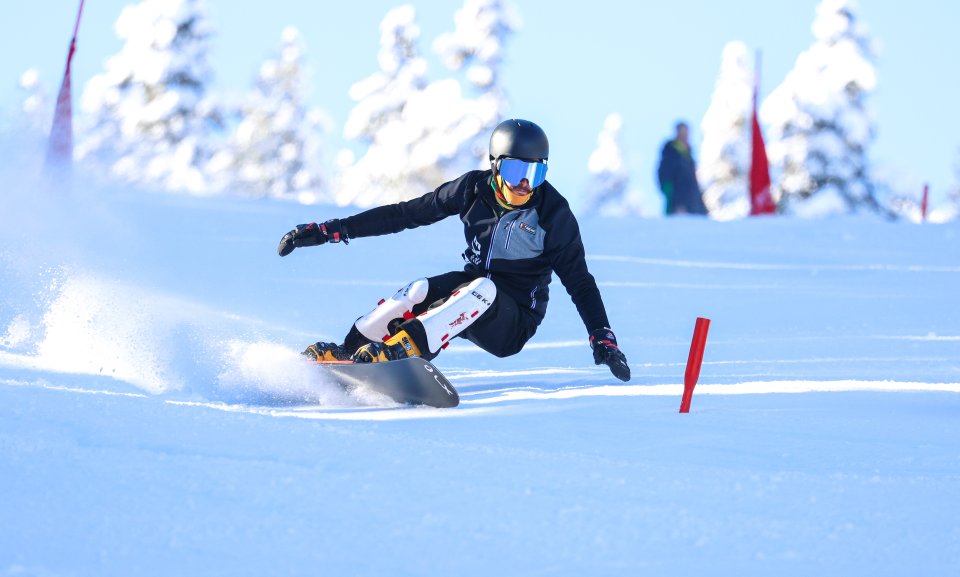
x: 486, y: 391
x: 156, y: 418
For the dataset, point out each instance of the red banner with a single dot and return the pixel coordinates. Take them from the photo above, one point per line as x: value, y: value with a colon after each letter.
x: 761, y: 201
x: 60, y: 144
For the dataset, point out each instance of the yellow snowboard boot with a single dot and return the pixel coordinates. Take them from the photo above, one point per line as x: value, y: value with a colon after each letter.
x: 324, y: 352
x: 399, y: 346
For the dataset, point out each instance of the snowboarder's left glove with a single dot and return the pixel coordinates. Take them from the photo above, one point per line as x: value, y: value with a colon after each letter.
x: 605, y: 350
x: 313, y: 234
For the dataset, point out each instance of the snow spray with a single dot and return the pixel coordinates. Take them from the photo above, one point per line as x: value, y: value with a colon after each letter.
x: 697, y: 345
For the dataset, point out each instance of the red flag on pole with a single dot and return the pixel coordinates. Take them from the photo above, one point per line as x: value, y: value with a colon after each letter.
x: 60, y: 144
x: 923, y: 202
x: 761, y: 201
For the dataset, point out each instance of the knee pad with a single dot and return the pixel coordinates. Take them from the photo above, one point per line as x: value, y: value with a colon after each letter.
x: 458, y: 312
x: 375, y: 325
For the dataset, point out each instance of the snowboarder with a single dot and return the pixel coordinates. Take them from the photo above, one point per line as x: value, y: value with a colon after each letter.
x: 519, y: 230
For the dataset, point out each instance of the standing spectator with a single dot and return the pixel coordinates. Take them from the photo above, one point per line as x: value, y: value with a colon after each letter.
x: 677, y: 174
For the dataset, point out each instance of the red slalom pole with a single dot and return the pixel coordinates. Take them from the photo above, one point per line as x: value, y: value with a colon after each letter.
x: 923, y: 203
x: 697, y: 346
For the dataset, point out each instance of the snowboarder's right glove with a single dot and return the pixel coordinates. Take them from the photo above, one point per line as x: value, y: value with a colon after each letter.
x: 605, y: 350
x: 313, y: 234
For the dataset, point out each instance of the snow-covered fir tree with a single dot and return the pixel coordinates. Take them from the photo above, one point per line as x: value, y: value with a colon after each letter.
x: 275, y: 148
x: 950, y: 210
x: 954, y: 193
x: 35, y: 118
x: 606, y: 193
x: 477, y: 42
x: 724, y: 168
x: 149, y: 120
x: 377, y: 120
x: 820, y: 128
x: 37, y: 107
x: 419, y: 134
x: 482, y: 28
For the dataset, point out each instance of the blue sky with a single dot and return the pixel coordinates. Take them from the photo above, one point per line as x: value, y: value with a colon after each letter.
x: 568, y: 67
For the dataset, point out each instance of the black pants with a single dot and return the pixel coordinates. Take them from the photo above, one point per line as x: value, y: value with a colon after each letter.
x: 501, y: 330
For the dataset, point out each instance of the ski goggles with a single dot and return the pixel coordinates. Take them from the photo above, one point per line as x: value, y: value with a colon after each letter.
x: 513, y: 170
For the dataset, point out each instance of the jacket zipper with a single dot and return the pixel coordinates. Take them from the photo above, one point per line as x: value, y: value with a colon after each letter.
x: 493, y: 240
x: 509, y: 228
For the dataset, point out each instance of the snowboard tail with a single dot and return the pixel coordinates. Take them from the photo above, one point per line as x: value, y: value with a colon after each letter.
x: 413, y: 380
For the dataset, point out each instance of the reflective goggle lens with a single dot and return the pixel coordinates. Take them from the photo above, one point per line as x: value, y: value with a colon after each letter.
x: 514, y: 170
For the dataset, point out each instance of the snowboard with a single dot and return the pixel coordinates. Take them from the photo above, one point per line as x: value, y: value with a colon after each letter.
x: 412, y: 381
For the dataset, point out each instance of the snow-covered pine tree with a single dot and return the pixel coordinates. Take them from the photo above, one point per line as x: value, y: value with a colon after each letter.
x: 382, y: 174
x: 951, y: 208
x: 420, y: 134
x: 820, y: 128
x: 954, y: 193
x: 34, y: 122
x: 32, y: 125
x: 476, y: 46
x: 275, y: 148
x: 606, y: 194
x: 149, y: 120
x: 482, y: 28
x: 37, y: 107
x: 724, y: 168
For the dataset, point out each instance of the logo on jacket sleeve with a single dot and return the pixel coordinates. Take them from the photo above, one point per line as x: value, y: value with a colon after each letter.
x: 473, y: 253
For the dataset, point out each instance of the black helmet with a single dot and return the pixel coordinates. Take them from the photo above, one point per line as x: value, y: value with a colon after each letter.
x: 517, y: 138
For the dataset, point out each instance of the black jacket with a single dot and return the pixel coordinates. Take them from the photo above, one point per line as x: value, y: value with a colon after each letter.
x: 677, y: 174
x: 517, y: 249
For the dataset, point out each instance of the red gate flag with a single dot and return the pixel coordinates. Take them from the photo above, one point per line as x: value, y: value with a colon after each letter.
x: 761, y: 201
x: 60, y: 144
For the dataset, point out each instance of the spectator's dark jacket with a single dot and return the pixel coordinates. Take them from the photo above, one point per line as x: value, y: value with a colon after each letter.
x: 678, y: 179
x: 517, y: 249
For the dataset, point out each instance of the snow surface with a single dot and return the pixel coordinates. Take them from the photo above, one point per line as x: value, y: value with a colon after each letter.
x: 155, y: 418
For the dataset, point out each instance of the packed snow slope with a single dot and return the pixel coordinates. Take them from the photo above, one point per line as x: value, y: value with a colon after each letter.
x: 155, y: 418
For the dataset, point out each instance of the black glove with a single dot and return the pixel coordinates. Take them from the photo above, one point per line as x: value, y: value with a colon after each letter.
x: 605, y: 350
x: 313, y: 234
